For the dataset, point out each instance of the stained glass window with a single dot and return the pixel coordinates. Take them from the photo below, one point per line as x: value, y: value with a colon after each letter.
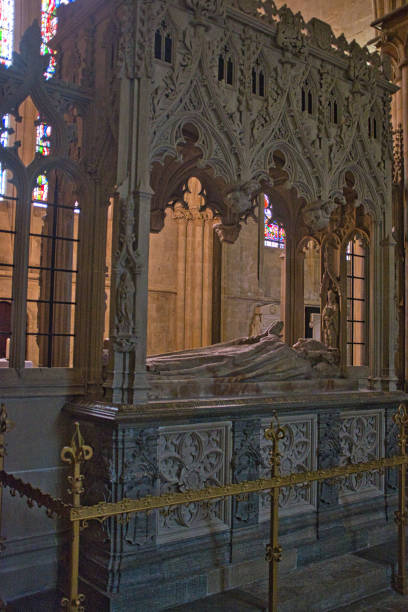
x: 42, y: 141
x: 6, y: 31
x: 40, y: 193
x: 49, y: 30
x: 42, y: 146
x: 6, y: 52
x: 4, y: 141
x: 274, y: 234
x: 49, y: 24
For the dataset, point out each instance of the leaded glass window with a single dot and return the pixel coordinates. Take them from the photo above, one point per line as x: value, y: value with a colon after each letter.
x: 356, y: 266
x: 42, y: 141
x: 6, y: 53
x: 49, y: 29
x: 52, y: 273
x: 42, y: 146
x: 6, y: 31
x: 49, y: 23
x: 274, y: 233
x: 40, y: 193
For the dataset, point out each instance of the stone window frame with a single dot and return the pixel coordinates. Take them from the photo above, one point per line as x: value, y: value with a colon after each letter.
x: 356, y: 233
x: 227, y: 54
x: 334, y: 105
x: 166, y: 29
x: 258, y: 69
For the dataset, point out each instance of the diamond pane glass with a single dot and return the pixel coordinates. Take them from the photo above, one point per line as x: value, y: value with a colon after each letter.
x: 274, y: 234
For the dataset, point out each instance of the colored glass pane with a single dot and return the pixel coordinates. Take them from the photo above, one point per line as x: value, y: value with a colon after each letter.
x: 42, y: 141
x: 40, y: 193
x: 6, y: 31
x: 49, y: 24
x: 4, y: 142
x: 274, y: 234
x: 6, y: 52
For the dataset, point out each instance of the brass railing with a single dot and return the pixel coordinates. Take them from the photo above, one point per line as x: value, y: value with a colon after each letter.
x: 79, y: 515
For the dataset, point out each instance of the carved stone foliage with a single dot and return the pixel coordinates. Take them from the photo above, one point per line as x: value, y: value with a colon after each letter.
x: 328, y: 454
x: 192, y: 457
x: 316, y: 215
x: 361, y: 439
x: 101, y: 471
x: 139, y: 477
x: 126, y: 268
x: 239, y: 122
x: 391, y: 448
x: 298, y: 453
x: 246, y: 462
x: 207, y: 8
x: 398, y: 157
x: 124, y: 464
x: 100, y: 474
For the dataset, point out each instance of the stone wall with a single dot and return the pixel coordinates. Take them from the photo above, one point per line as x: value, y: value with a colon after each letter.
x: 246, y: 284
x: 251, y: 286
x: 33, y: 541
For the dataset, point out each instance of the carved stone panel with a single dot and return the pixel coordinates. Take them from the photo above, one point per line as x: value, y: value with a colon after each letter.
x: 328, y: 455
x: 361, y: 439
x: 391, y: 448
x: 298, y: 454
x: 246, y: 462
x: 139, y: 478
x: 193, y: 457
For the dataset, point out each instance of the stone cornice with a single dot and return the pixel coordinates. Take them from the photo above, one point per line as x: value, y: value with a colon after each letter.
x: 172, y: 411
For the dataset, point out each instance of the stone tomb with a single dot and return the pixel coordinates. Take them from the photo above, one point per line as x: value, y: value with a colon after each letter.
x: 167, y: 558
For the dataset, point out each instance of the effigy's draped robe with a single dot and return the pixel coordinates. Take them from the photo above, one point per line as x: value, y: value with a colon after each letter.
x: 257, y: 358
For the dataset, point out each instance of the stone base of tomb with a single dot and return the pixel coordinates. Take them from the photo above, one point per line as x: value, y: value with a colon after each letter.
x: 168, y: 558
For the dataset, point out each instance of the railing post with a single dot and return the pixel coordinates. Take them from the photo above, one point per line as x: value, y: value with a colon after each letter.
x: 273, y: 550
x: 75, y: 455
x: 400, y: 582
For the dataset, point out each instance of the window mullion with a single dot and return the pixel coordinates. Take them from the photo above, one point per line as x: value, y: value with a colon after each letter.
x: 20, y: 281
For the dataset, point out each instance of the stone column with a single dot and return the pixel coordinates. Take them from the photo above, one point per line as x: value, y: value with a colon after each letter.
x: 299, y: 295
x: 180, y: 216
x: 282, y: 257
x: 194, y: 276
x: 90, y: 316
x: 388, y: 377
x: 289, y: 291
x: 194, y: 293
x: 126, y: 377
x: 404, y: 121
x: 208, y: 264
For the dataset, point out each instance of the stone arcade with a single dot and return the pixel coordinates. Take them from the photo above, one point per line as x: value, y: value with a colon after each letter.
x: 186, y: 119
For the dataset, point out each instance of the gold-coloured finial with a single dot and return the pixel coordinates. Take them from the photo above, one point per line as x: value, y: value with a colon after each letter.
x: 78, y: 451
x: 275, y: 433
